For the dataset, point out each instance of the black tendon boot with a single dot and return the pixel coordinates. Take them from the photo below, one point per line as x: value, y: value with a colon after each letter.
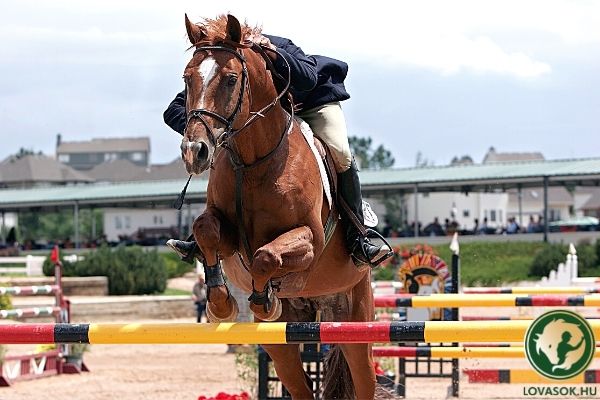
x: 362, y: 250
x: 187, y: 250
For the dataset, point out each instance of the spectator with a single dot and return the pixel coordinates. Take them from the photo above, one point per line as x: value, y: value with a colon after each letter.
x: 475, y: 226
x: 512, y: 226
x: 532, y: 227
x: 434, y: 228
x: 199, y: 297
x: 484, y: 227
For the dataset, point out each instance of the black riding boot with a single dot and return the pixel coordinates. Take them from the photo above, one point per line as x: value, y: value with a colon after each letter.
x: 187, y: 250
x: 362, y: 250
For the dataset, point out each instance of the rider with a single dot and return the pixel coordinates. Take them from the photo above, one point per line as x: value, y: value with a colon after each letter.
x: 317, y: 87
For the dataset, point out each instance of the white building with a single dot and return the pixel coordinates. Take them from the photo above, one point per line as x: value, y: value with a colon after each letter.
x: 464, y: 209
x: 561, y: 204
x: 157, y: 222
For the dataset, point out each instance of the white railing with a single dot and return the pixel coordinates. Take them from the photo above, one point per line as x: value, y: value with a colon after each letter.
x: 33, y: 265
x: 567, y: 274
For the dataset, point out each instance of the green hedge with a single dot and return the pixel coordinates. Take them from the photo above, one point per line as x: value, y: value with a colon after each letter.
x: 552, y: 254
x: 176, y: 267
x: 130, y: 270
x: 500, y: 263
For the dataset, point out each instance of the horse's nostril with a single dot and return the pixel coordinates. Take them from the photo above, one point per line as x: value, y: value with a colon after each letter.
x: 201, y: 152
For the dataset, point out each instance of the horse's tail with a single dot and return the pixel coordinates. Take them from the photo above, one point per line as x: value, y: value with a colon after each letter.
x: 337, y: 381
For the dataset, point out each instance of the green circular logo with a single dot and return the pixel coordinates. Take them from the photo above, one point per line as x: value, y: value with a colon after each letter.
x: 560, y: 344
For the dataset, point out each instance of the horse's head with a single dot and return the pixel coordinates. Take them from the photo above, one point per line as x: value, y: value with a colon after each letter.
x: 216, y: 80
x: 554, y: 333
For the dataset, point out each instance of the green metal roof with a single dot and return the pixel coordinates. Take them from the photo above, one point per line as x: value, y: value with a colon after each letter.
x: 578, y: 172
x: 488, y: 177
x: 102, y: 194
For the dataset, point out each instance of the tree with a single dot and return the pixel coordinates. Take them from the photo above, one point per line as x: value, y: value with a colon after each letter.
x: 366, y: 157
x: 421, y: 161
x: 58, y: 225
x: 464, y: 160
x: 379, y: 158
x: 25, y: 152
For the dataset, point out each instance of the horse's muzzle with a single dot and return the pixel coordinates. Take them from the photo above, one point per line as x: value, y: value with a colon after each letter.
x: 196, y: 156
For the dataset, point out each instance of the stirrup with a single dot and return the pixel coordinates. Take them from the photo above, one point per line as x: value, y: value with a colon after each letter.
x: 359, y: 255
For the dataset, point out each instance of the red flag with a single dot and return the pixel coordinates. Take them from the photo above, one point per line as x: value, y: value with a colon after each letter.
x: 54, y: 257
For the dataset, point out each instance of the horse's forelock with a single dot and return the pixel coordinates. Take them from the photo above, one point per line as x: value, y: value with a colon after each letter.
x: 217, y: 29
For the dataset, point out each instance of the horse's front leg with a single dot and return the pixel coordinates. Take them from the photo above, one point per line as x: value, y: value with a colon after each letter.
x: 215, y: 236
x: 291, y: 251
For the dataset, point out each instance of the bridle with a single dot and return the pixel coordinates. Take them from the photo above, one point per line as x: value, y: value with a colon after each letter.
x: 224, y: 139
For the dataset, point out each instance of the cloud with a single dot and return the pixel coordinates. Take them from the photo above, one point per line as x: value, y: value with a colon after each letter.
x: 104, y: 67
x: 447, y: 37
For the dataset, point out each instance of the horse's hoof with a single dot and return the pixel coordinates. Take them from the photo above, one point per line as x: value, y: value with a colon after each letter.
x: 274, y: 313
x: 232, y: 317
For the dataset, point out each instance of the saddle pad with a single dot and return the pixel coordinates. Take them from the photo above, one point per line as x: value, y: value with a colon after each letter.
x: 308, y: 135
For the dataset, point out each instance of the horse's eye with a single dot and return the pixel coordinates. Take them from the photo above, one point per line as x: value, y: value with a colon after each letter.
x: 232, y: 80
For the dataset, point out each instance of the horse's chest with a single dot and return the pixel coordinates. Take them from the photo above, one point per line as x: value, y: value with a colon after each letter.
x: 279, y: 200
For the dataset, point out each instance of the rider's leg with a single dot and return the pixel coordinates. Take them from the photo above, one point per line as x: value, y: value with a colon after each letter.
x: 328, y: 123
x: 187, y: 250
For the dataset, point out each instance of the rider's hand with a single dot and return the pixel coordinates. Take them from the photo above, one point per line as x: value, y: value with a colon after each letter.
x: 265, y: 42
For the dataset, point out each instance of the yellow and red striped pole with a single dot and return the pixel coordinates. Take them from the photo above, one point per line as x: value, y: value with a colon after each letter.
x: 271, y: 332
x: 486, y: 300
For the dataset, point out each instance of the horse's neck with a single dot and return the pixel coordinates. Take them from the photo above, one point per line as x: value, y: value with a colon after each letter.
x: 262, y: 137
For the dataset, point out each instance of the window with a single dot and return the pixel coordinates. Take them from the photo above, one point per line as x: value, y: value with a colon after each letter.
x: 110, y: 156
x: 118, y: 222
x: 500, y: 216
x: 466, y: 213
x: 493, y: 215
x: 137, y: 156
x: 63, y: 158
x: 127, y: 222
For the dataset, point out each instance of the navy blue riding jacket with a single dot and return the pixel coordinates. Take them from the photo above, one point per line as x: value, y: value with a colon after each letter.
x: 315, y: 81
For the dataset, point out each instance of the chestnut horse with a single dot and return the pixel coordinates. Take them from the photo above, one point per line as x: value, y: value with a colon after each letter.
x: 266, y: 209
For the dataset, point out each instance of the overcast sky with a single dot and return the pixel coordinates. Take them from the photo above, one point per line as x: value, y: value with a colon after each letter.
x: 446, y: 78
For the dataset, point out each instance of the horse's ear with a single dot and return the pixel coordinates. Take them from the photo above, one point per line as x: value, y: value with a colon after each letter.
x: 234, y: 29
x: 195, y: 33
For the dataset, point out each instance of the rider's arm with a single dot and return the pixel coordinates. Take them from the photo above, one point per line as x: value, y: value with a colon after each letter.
x: 303, y: 67
x: 175, y: 115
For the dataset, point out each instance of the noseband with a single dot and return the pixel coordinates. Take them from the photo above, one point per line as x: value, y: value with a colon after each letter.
x: 223, y: 140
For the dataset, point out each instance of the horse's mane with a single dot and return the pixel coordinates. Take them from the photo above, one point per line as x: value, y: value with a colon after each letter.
x: 216, y: 29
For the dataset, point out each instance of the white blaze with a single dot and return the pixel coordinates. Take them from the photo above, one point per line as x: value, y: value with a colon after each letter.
x: 207, y: 70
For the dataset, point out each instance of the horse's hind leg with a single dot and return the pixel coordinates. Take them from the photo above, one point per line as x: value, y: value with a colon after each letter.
x: 359, y: 359
x: 358, y: 356
x: 286, y: 358
x: 288, y: 365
